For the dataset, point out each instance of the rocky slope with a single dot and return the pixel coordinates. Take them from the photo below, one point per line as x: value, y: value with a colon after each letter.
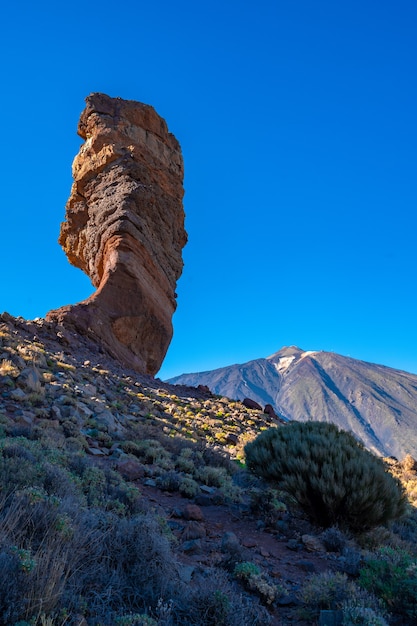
x: 377, y: 403
x: 78, y: 430
x: 110, y: 479
x: 124, y: 227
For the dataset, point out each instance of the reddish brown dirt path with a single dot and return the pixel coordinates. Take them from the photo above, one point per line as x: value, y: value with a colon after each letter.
x: 259, y: 545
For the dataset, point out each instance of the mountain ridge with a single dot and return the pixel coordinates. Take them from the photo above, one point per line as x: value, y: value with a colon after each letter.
x: 377, y: 403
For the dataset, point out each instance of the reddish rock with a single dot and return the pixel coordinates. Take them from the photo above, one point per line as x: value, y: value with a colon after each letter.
x: 193, y: 512
x: 124, y: 227
x: 269, y: 410
x: 204, y: 389
x: 251, y: 404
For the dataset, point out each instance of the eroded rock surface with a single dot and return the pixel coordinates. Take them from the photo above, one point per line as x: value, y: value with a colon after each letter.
x: 124, y: 227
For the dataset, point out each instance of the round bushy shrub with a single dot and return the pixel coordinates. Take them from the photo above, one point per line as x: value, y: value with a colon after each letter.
x: 329, y: 474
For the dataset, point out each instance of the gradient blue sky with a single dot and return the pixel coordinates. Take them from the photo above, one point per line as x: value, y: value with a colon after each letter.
x: 297, y: 121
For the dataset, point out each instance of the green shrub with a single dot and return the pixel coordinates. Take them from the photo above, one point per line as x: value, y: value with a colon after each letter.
x: 333, y: 539
x: 134, y: 619
x: 325, y: 591
x: 169, y: 481
x: 364, y: 616
x: 212, y: 476
x: 266, y: 503
x: 391, y: 574
x: 188, y: 487
x: 329, y: 474
x: 257, y: 582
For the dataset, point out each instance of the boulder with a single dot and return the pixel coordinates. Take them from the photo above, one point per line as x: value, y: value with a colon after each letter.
x: 269, y: 410
x: 124, y: 227
x: 251, y: 404
x: 193, y: 512
x: 313, y: 544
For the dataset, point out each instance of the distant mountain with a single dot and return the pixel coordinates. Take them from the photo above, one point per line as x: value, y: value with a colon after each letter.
x: 377, y: 403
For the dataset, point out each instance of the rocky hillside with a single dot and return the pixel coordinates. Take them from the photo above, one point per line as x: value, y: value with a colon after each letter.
x: 377, y: 403
x: 123, y: 502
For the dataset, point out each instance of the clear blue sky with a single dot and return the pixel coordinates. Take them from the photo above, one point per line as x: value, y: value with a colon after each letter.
x: 298, y: 124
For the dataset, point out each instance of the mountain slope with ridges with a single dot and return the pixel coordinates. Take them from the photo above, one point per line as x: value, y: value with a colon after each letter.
x: 377, y: 403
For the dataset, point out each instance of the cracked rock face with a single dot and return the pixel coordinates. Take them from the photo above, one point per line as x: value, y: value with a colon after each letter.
x: 124, y: 227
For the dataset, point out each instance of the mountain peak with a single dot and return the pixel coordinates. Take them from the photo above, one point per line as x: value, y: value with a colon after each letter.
x: 376, y: 403
x: 285, y: 351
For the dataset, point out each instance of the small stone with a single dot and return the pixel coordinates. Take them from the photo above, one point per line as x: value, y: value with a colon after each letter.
x: 230, y: 543
x: 88, y: 389
x: 249, y: 543
x: 264, y: 553
x: 116, y: 452
x: 63, y: 337
x: 193, y: 512
x: 84, y: 410
x: 30, y: 377
x: 150, y: 482
x: 108, y: 420
x: 307, y: 566
x: 56, y: 412
x: 17, y: 394
x: 186, y: 572
x: 203, y: 500
x: 193, y: 546
x: 312, y: 544
x: 28, y: 417
x: 293, y: 544
x: 97, y: 451
x: 207, y: 489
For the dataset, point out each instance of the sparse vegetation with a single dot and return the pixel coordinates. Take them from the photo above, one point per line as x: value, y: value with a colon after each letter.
x: 334, y: 591
x: 82, y: 543
x: 257, y: 581
x: 391, y: 574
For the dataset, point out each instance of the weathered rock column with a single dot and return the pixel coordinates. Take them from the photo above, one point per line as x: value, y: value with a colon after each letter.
x: 124, y: 227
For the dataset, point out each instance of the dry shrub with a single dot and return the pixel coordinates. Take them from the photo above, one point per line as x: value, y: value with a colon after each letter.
x: 213, y: 601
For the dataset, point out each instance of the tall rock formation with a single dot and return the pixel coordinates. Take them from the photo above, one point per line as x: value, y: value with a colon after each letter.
x: 124, y: 227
